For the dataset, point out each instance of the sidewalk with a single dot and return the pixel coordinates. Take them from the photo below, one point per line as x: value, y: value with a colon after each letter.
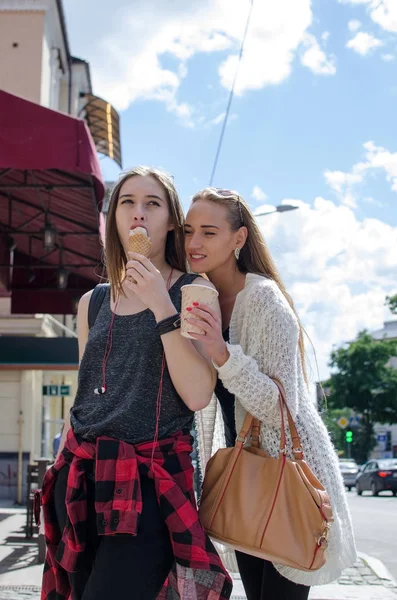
x: 20, y: 575
x: 368, y: 579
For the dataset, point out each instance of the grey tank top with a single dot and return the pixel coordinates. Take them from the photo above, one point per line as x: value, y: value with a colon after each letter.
x: 127, y: 411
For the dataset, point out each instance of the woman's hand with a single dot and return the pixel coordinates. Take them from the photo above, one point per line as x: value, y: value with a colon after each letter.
x: 211, y: 323
x: 148, y: 285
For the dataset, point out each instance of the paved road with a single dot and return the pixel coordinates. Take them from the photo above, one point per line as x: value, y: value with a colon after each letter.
x: 375, y: 526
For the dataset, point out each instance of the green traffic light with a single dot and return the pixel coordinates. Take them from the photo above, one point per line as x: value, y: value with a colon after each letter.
x: 349, y: 437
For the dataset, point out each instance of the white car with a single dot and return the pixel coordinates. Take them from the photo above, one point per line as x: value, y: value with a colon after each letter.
x: 349, y: 470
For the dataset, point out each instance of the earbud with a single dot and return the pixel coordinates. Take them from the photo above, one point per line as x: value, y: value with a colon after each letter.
x: 99, y: 391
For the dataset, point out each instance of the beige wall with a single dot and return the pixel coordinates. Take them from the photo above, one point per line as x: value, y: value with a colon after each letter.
x: 22, y: 391
x: 10, y: 383
x: 20, y: 67
x: 30, y: 403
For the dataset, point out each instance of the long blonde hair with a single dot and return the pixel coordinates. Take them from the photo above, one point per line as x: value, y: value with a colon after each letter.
x: 115, y: 257
x: 254, y: 256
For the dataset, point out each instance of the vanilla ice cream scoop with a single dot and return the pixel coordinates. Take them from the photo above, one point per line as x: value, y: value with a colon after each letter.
x: 139, y: 241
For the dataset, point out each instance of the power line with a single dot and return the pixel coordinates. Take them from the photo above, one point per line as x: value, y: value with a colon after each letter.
x: 225, y: 120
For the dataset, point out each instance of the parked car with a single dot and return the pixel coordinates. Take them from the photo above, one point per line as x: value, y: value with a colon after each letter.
x: 378, y: 476
x: 349, y: 470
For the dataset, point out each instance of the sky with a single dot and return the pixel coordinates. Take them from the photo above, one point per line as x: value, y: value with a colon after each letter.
x: 313, y: 123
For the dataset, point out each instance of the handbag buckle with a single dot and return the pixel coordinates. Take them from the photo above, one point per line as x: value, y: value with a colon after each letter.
x: 323, y: 539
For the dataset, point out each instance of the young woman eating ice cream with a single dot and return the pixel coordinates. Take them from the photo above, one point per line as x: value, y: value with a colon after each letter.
x: 119, y: 508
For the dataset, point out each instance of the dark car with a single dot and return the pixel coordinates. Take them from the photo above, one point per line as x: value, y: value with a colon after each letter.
x: 349, y: 470
x: 378, y: 476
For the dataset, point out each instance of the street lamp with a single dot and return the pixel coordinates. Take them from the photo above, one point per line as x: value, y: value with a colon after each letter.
x: 281, y: 208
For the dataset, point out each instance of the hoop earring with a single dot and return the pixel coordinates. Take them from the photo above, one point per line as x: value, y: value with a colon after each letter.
x: 237, y: 253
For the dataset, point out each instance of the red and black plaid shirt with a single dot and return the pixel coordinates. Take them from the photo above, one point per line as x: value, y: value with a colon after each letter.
x: 117, y: 475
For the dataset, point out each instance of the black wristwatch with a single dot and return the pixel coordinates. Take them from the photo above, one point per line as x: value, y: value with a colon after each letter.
x: 169, y: 324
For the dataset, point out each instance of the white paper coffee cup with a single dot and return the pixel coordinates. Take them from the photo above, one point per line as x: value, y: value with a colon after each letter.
x: 202, y: 294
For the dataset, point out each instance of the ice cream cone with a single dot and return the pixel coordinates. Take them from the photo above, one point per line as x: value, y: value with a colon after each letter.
x: 139, y: 241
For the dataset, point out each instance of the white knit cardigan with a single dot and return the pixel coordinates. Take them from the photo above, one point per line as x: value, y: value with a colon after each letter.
x: 264, y: 335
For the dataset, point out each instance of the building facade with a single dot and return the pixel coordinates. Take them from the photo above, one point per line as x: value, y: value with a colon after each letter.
x: 38, y: 380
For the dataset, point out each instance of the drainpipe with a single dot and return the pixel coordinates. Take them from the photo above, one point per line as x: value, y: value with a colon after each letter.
x: 20, y: 455
x: 70, y: 86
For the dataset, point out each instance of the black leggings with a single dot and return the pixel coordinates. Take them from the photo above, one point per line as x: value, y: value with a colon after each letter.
x: 262, y: 581
x: 120, y: 566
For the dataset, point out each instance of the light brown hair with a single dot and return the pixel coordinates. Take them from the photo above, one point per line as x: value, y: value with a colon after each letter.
x: 115, y: 257
x: 254, y: 256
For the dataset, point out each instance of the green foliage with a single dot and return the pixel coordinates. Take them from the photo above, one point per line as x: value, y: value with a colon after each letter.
x: 391, y: 302
x: 359, y: 445
x: 330, y: 418
x: 363, y: 381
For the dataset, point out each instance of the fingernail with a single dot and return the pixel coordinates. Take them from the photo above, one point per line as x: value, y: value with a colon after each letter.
x: 195, y: 303
x: 189, y: 308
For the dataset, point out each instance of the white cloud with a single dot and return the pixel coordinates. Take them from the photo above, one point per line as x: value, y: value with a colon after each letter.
x: 373, y: 202
x: 381, y: 158
x: 315, y: 58
x: 363, y: 43
x: 219, y: 119
x: 141, y: 50
x: 382, y: 12
x: 342, y: 184
x: 376, y: 158
x: 325, y: 36
x: 183, y: 111
x: 388, y: 57
x: 354, y: 25
x: 338, y: 269
x: 258, y: 194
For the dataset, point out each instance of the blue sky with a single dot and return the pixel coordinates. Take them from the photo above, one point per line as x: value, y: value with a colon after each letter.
x: 313, y: 122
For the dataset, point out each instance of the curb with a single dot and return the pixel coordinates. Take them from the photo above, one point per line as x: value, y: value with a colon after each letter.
x: 377, y: 567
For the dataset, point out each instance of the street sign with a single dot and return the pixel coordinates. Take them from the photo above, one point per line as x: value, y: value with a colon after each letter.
x: 50, y: 390
x: 56, y: 390
x: 354, y: 421
x: 381, y: 437
x: 343, y: 422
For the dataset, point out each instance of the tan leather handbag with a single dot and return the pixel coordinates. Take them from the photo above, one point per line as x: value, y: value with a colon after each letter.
x: 273, y: 508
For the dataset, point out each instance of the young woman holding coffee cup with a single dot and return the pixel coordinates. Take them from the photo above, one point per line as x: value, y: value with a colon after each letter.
x: 259, y: 338
x: 119, y: 509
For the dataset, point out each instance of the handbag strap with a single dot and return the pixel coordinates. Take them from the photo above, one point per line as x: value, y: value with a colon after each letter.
x: 253, y: 425
x: 296, y: 442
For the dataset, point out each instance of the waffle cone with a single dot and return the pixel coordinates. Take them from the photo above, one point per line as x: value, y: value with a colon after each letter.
x: 139, y: 242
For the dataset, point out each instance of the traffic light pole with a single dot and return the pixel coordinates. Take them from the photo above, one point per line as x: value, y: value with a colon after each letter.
x: 349, y: 440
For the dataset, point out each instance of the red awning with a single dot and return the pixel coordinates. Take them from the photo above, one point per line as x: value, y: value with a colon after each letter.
x: 50, y: 179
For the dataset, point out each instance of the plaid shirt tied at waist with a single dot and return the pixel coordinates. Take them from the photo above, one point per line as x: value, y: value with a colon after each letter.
x: 118, y: 505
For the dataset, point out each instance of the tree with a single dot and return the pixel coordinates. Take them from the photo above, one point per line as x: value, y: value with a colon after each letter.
x: 364, y: 381
x: 358, y: 447
x: 391, y: 302
x: 330, y: 417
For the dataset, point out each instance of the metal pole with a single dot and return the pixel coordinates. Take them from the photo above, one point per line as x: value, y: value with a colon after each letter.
x: 46, y: 427
x: 20, y: 457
